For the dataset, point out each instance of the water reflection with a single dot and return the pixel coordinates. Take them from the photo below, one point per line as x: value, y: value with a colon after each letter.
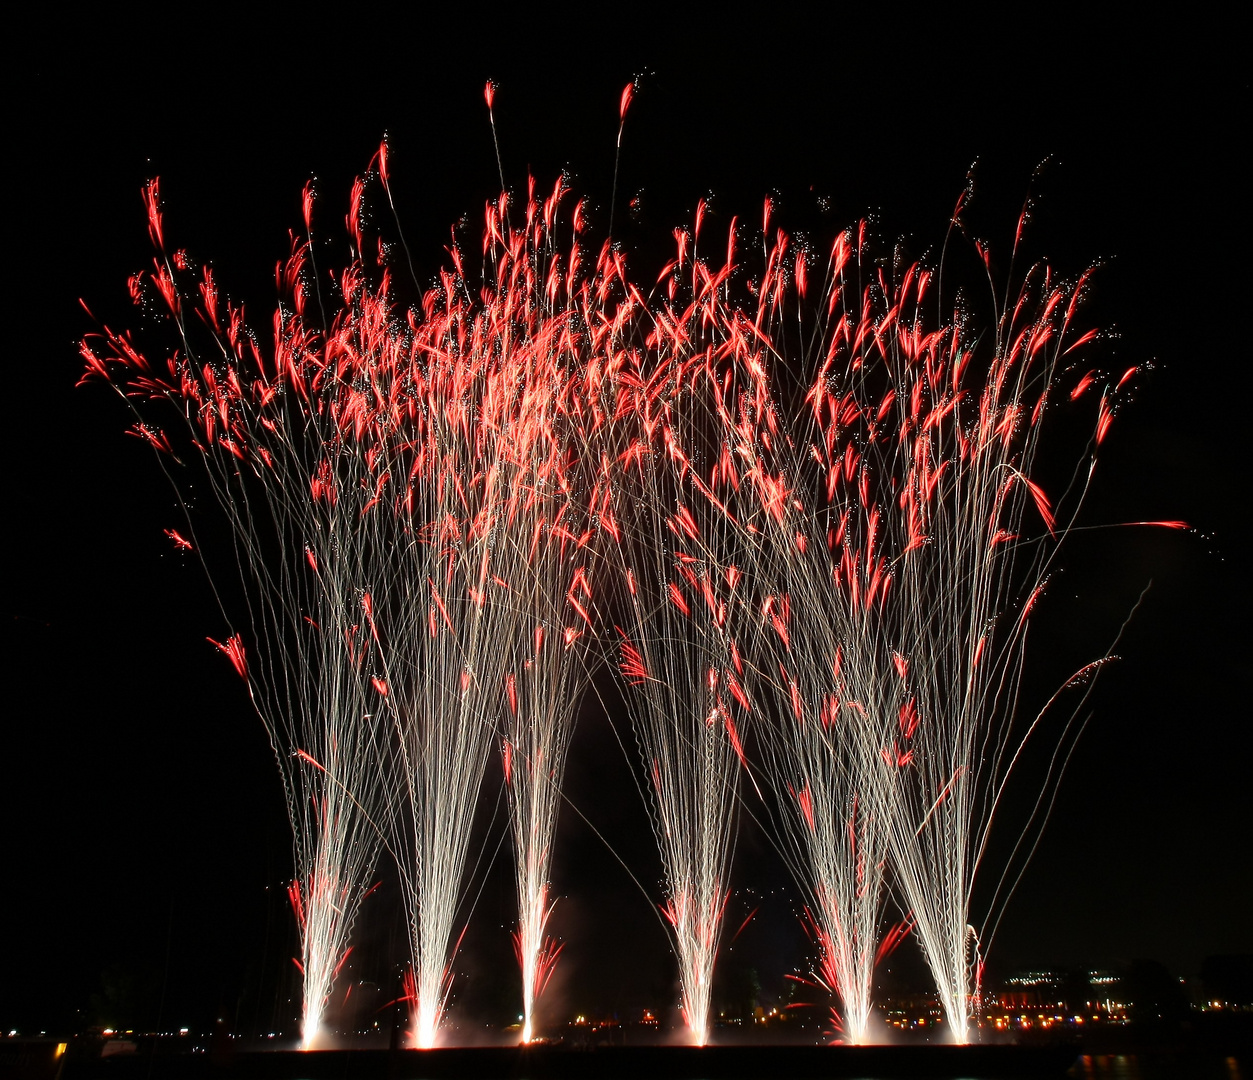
x: 1154, y: 1067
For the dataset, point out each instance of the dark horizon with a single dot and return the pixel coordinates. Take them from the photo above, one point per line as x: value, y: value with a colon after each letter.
x: 149, y: 837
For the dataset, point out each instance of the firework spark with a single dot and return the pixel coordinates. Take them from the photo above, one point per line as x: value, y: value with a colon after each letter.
x: 265, y: 424
x: 815, y: 511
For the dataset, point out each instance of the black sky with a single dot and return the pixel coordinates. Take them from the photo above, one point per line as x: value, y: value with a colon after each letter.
x: 145, y: 834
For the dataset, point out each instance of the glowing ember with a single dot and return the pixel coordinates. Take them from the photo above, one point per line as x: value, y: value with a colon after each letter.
x: 443, y: 515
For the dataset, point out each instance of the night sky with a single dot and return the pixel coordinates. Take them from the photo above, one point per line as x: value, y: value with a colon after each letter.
x: 146, y: 843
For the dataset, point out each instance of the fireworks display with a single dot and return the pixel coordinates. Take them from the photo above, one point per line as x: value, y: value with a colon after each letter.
x: 789, y: 495
x: 270, y: 434
x: 676, y: 582
x: 894, y: 505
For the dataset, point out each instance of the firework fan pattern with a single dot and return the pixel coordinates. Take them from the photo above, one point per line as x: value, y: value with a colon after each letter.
x: 788, y: 497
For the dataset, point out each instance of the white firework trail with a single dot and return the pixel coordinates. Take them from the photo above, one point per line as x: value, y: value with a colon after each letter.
x: 286, y: 474
x: 677, y: 583
x: 551, y: 562
x: 542, y: 691
x: 940, y: 429
x: 420, y: 503
x: 885, y: 564
x: 788, y: 629
x: 821, y: 669
x: 499, y: 506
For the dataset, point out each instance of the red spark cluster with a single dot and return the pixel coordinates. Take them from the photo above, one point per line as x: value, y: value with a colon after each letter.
x: 791, y: 496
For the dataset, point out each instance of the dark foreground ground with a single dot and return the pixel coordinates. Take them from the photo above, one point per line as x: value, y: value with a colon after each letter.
x: 39, y: 1061
x: 559, y: 1063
